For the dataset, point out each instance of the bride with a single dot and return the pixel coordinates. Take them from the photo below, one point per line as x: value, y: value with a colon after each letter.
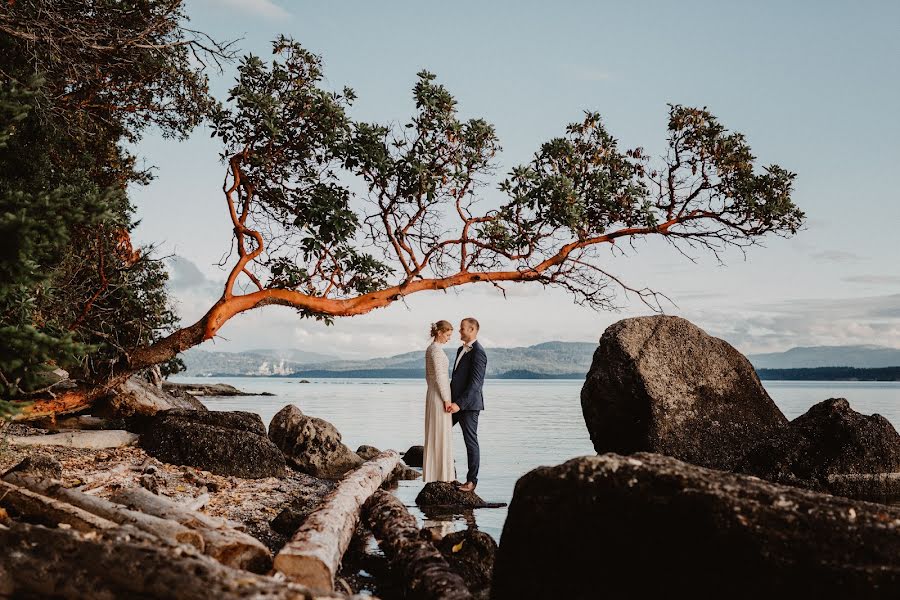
x: 437, y: 462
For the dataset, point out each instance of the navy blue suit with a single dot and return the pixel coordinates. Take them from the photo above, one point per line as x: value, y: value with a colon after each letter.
x: 466, y: 391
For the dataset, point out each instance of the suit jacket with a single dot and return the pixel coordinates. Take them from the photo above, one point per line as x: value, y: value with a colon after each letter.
x: 468, y: 378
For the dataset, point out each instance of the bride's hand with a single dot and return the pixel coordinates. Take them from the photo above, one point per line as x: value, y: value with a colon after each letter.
x: 447, y: 407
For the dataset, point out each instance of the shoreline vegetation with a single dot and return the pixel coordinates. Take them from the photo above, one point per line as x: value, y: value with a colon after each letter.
x: 808, y: 374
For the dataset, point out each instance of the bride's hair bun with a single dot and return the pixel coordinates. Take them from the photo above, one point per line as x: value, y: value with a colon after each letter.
x: 440, y: 327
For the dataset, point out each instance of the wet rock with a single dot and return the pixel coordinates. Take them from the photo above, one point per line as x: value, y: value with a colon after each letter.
x: 40, y: 465
x: 414, y: 456
x: 652, y: 526
x: 827, y: 443
x: 367, y: 452
x: 219, y: 442
x: 446, y: 494
x: 400, y: 472
x: 470, y: 554
x: 137, y: 396
x: 311, y: 445
x: 661, y: 384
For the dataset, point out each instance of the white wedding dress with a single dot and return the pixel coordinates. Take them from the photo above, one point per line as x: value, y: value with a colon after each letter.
x: 437, y: 462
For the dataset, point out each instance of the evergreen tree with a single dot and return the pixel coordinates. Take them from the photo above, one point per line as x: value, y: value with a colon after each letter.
x: 81, y: 81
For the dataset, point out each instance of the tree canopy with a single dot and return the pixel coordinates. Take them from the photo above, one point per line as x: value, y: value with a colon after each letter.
x: 307, y: 237
x: 336, y: 217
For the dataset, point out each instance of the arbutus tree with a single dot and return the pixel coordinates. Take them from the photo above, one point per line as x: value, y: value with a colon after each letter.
x: 306, y: 237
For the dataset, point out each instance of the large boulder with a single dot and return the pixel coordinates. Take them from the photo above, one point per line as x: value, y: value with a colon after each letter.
x: 470, y: 554
x: 224, y: 443
x: 311, y: 445
x: 661, y: 384
x: 648, y: 525
x: 832, y: 448
x: 138, y: 397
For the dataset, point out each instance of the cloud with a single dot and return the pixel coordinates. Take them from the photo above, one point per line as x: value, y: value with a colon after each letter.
x: 263, y: 8
x: 838, y: 256
x: 771, y: 327
x: 585, y: 73
x: 874, y: 279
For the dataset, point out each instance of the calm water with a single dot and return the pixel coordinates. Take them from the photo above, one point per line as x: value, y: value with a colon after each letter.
x: 527, y: 423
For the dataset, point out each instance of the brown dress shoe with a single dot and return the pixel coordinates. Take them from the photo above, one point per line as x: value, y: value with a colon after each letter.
x: 468, y: 487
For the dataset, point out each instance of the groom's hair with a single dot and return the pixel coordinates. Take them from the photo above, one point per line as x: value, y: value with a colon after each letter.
x: 473, y: 322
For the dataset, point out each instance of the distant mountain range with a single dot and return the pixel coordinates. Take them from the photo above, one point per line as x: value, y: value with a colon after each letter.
x: 547, y: 360
x: 541, y: 361
x: 202, y: 363
x: 860, y: 357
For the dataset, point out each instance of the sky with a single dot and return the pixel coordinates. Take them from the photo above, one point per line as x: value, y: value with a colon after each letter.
x: 814, y: 86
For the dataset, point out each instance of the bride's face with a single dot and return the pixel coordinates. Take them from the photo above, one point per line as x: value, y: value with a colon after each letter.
x: 443, y: 336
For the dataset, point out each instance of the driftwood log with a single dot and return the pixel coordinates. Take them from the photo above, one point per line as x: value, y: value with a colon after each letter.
x: 95, y: 440
x: 163, y: 529
x: 39, y: 562
x: 227, y: 545
x: 50, y: 511
x: 423, y: 569
x: 313, y: 555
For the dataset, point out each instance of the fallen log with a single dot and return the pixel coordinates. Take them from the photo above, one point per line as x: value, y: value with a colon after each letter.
x: 109, y: 438
x: 38, y: 562
x: 50, y: 511
x: 229, y: 546
x: 423, y: 569
x: 161, y: 528
x: 313, y: 555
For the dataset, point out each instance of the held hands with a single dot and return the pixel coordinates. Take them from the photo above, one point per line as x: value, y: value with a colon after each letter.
x: 451, y: 408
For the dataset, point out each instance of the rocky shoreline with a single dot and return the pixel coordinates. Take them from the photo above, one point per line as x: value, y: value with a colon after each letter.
x: 224, y: 465
x: 700, y: 487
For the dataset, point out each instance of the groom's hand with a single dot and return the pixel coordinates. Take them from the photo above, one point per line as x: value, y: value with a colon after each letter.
x: 454, y: 408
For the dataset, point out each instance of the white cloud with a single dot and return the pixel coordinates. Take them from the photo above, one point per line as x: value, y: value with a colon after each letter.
x: 586, y: 73
x: 838, y: 256
x: 263, y: 8
x: 874, y: 279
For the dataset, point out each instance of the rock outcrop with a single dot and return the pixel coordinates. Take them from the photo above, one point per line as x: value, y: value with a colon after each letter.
x: 652, y: 526
x: 224, y: 443
x: 311, y: 445
x: 661, y: 384
x: 832, y: 448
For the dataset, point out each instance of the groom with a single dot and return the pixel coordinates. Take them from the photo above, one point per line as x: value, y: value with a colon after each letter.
x: 465, y: 391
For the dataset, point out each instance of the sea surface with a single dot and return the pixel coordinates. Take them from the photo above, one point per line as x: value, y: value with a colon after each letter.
x: 526, y: 424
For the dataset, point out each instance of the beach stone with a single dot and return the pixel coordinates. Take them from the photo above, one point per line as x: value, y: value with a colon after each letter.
x: 662, y: 384
x: 828, y: 442
x: 648, y: 525
x: 470, y: 554
x: 138, y: 397
x: 311, y: 445
x: 220, y: 442
x: 414, y: 456
x: 445, y: 493
x: 367, y: 452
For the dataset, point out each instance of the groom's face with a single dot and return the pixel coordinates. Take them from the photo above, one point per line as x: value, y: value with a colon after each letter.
x: 467, y: 332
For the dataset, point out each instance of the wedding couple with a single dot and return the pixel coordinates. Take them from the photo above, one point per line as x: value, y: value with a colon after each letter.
x: 451, y: 400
